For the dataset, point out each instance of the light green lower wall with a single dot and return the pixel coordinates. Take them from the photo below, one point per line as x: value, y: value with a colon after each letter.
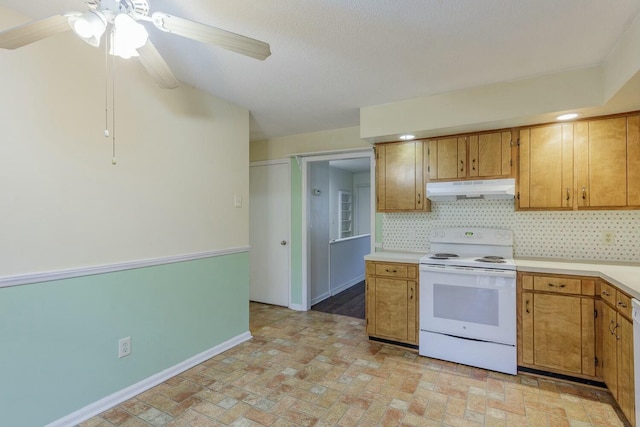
x: 378, y: 227
x: 296, y: 233
x: 58, y: 340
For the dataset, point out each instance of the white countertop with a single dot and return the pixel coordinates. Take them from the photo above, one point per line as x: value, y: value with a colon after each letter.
x: 625, y: 277
x: 393, y: 256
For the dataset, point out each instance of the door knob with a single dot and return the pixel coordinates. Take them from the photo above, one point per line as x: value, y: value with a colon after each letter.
x: 283, y: 243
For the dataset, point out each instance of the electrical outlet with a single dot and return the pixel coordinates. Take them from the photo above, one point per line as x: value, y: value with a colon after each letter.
x: 124, y: 347
x: 608, y: 237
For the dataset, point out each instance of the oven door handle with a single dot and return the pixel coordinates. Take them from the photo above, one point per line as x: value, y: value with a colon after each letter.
x: 452, y: 269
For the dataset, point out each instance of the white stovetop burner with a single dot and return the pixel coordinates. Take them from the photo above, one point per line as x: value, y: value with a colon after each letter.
x: 471, y: 247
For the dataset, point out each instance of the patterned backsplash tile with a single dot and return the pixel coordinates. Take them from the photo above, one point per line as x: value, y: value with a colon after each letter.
x: 571, y: 235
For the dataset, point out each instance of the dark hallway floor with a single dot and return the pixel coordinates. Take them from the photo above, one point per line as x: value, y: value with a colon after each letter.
x: 349, y: 302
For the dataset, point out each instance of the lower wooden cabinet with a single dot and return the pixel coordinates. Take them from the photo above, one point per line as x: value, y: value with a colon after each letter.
x: 616, y: 335
x: 392, y: 301
x: 557, y: 324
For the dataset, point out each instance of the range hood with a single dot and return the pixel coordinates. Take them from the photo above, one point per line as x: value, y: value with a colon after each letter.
x: 479, y: 189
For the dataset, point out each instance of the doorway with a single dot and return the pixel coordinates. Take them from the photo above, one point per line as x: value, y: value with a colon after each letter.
x: 335, y: 236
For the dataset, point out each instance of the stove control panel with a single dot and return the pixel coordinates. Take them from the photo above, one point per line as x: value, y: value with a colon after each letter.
x: 474, y: 236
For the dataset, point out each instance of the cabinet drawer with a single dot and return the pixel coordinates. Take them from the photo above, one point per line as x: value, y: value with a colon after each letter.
x: 623, y: 304
x: 391, y: 270
x: 557, y: 284
x: 608, y: 293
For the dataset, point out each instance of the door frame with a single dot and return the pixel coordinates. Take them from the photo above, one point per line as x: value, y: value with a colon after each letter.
x: 304, y: 166
x: 287, y: 162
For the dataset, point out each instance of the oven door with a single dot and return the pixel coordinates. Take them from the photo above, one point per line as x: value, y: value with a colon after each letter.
x: 471, y: 303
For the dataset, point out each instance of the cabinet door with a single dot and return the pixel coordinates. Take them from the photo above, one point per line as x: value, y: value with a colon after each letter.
x: 602, y: 161
x: 557, y: 335
x: 412, y: 312
x: 609, y: 348
x: 370, y: 301
x: 447, y: 159
x: 526, y: 326
x: 546, y: 167
x: 399, y: 178
x: 391, y: 316
x: 490, y: 155
x: 626, y: 392
x: 633, y: 160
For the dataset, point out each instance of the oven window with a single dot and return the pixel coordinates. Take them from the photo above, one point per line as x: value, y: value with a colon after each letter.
x: 466, y: 304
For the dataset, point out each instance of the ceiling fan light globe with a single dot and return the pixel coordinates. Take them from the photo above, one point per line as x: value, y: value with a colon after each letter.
x: 129, y: 32
x: 82, y: 28
x: 89, y: 26
x: 123, y: 52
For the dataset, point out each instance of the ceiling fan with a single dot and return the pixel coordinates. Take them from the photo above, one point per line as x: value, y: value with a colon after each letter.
x: 128, y: 37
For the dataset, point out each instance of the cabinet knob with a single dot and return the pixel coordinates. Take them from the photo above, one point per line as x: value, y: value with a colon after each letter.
x: 584, y: 193
x: 568, y: 195
x: 621, y: 304
x: 283, y: 243
x: 606, y: 294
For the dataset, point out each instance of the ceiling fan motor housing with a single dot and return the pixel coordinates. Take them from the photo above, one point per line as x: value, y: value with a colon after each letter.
x: 137, y: 9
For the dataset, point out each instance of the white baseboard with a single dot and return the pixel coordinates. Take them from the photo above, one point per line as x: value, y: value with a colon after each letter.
x: 347, y: 285
x: 320, y: 298
x: 118, y: 397
x: 297, y: 307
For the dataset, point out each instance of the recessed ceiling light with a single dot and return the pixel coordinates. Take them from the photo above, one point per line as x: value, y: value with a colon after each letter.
x: 567, y: 116
x: 407, y: 137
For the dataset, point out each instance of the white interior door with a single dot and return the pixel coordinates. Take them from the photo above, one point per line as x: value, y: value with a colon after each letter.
x: 269, y: 222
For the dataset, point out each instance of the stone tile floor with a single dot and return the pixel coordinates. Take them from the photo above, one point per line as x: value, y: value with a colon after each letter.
x: 318, y: 369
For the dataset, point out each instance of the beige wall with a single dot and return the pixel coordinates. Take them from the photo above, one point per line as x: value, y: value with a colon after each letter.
x: 331, y: 140
x: 182, y: 155
x: 606, y: 88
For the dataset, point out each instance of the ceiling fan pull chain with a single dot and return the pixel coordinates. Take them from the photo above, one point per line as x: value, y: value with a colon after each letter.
x: 113, y: 104
x: 106, y: 90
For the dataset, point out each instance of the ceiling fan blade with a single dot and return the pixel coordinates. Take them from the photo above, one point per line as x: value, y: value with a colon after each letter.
x: 33, y: 31
x: 156, y: 66
x: 211, y: 35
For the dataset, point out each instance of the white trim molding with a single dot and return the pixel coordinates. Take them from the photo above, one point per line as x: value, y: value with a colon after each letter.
x: 125, y: 394
x: 25, y: 279
x: 297, y: 307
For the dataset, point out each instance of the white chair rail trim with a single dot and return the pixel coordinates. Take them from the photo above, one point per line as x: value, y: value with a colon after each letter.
x: 25, y: 279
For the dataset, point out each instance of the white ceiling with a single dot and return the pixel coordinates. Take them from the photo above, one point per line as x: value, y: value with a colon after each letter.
x: 329, y: 58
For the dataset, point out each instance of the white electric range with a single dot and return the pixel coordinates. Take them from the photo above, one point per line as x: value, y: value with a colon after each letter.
x: 468, y: 298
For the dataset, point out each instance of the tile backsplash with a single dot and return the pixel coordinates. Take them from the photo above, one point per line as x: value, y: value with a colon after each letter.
x: 570, y: 235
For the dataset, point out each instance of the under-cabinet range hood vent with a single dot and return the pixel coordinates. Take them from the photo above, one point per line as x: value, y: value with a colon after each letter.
x: 489, y: 189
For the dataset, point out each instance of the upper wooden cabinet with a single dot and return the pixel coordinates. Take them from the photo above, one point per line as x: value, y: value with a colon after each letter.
x: 485, y: 155
x: 590, y: 164
x: 400, y: 181
x: 545, y: 167
x: 607, y: 160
